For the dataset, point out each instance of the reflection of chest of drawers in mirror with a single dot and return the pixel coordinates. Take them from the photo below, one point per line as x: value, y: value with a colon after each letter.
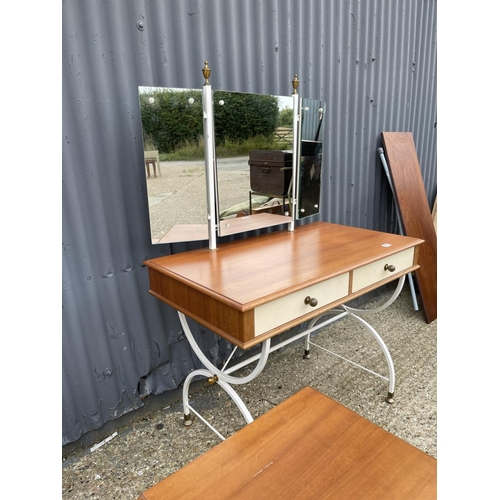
x: 228, y: 162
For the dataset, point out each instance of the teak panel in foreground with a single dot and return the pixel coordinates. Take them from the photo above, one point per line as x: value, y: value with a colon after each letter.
x: 415, y: 212
x: 309, y: 446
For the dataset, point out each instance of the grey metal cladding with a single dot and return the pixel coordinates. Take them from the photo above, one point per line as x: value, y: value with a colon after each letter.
x: 372, y: 61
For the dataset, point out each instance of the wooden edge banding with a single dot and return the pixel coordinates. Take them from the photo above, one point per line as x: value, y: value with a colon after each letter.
x: 153, y: 267
x: 188, y: 312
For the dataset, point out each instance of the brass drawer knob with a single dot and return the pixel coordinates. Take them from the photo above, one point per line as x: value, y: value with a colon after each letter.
x: 311, y: 301
x: 389, y: 268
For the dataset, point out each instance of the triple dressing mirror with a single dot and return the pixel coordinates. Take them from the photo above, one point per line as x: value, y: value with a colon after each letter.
x: 266, y: 167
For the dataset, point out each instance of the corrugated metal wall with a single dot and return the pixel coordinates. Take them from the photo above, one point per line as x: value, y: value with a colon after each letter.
x: 372, y: 61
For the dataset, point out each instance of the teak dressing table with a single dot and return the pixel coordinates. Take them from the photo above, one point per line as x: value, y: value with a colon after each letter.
x: 250, y: 290
x: 253, y: 289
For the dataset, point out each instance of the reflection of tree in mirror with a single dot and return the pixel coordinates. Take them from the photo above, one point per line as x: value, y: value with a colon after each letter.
x: 245, y: 122
x: 239, y: 116
x: 178, y: 196
x: 171, y: 118
x: 286, y: 118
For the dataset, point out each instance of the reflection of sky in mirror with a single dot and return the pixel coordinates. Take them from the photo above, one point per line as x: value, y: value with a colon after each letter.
x: 183, y: 90
x: 284, y: 102
x: 164, y: 89
x: 148, y: 90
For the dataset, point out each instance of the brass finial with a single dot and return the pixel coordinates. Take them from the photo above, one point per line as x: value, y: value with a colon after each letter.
x: 206, y: 72
x: 295, y: 83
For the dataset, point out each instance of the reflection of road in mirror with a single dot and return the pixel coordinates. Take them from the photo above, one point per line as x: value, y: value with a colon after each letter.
x: 177, y: 196
x: 153, y: 200
x: 233, y: 179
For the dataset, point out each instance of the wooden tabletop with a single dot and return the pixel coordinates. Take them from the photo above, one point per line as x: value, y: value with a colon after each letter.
x: 247, y: 272
x: 309, y: 446
x: 222, y: 288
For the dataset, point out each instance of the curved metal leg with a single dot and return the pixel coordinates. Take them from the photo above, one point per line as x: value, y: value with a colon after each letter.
x: 185, y: 394
x: 236, y: 398
x: 350, y: 311
x: 220, y: 374
x: 393, y: 297
x: 188, y: 419
x: 390, y: 364
x: 215, y: 375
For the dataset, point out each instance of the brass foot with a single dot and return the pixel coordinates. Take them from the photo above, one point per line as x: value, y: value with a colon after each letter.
x: 390, y: 398
x: 188, y: 420
x: 307, y: 354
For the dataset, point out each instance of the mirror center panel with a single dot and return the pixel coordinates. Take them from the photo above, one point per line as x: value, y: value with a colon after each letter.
x: 254, y: 152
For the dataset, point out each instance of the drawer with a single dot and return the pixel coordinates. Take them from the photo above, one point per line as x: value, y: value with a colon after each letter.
x: 285, y: 309
x: 375, y: 272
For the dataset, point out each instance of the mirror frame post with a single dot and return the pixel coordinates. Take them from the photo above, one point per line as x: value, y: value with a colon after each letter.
x: 210, y: 171
x: 296, y: 159
x: 296, y: 152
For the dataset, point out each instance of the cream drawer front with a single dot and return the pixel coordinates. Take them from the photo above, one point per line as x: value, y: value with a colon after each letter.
x: 281, y: 311
x: 374, y: 272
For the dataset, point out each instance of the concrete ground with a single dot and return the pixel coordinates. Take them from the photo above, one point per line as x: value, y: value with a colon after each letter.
x: 152, y: 443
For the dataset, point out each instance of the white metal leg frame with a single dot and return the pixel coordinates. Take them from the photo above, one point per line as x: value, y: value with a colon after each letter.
x: 223, y: 376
